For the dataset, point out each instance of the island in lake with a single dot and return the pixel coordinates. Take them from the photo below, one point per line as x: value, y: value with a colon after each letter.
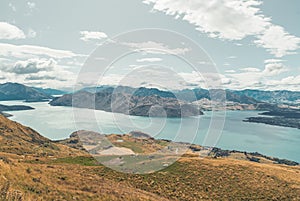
x: 279, y: 117
x: 5, y: 108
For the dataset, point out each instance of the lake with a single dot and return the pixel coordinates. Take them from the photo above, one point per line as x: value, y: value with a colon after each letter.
x: 210, y: 129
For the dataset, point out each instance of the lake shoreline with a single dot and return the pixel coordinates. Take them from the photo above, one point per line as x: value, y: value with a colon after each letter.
x: 269, y: 140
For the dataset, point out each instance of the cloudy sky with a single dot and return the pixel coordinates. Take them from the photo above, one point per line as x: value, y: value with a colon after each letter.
x: 249, y: 43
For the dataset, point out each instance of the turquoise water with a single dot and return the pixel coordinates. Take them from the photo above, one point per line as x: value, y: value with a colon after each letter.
x: 60, y: 122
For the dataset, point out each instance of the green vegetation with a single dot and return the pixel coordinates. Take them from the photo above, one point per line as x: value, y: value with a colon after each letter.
x: 79, y: 160
x: 136, y: 147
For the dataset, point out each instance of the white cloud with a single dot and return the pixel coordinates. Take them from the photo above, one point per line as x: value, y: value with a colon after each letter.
x: 226, y: 19
x: 270, y: 78
x: 250, y: 69
x: 244, y: 80
x: 30, y: 51
x: 13, y: 8
x: 252, y: 79
x: 42, y: 72
x: 230, y: 71
x: 205, y: 62
x: 38, y: 66
x: 273, y: 61
x: 31, y: 33
x: 288, y: 83
x: 92, y: 35
x: 272, y: 69
x: 149, y: 60
x: 9, y: 31
x: 74, y: 62
x: 278, y: 41
x: 204, y: 80
x: 31, y: 5
x: 152, y: 76
x: 231, y: 20
x: 32, y: 66
x: 155, y: 48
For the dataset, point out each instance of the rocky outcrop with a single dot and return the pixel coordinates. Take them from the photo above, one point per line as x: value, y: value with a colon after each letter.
x: 139, y: 135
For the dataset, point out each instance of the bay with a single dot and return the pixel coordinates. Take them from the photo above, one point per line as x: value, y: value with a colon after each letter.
x: 220, y: 129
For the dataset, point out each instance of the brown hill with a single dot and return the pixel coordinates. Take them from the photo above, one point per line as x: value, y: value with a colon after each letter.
x: 35, y: 168
x: 21, y: 140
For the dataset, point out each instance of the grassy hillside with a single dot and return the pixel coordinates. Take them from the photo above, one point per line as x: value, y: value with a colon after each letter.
x: 59, y: 172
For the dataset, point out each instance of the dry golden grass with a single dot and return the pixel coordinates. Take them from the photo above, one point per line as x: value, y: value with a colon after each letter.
x: 67, y: 182
x: 29, y: 170
x: 18, y: 139
x: 80, y: 178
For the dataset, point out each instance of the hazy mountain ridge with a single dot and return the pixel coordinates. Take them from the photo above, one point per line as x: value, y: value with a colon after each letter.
x: 246, y: 96
x: 140, y: 101
x: 188, y: 95
x: 15, y: 91
x: 49, y: 91
x: 122, y: 102
x: 279, y: 97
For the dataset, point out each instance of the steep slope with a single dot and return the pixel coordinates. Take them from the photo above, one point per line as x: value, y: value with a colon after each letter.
x: 69, y: 176
x: 15, y: 91
x: 18, y: 139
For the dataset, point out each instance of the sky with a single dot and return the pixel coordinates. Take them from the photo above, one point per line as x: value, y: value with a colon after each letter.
x: 237, y: 44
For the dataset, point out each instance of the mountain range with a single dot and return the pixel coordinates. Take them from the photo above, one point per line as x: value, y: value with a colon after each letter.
x: 279, y: 97
x: 247, y: 96
x: 188, y: 95
x: 188, y: 102
x: 16, y: 91
x: 122, y: 102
